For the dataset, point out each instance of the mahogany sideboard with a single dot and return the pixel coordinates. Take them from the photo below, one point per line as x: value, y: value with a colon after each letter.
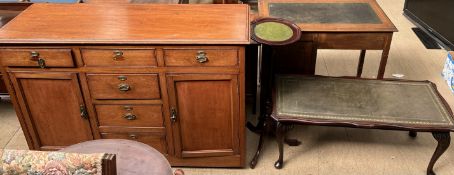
x: 170, y: 76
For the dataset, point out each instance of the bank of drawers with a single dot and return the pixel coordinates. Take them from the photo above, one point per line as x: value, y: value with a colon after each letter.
x: 143, y: 123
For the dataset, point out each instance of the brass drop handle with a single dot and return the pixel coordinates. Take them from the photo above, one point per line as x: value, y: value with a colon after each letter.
x: 133, y: 136
x: 201, y: 56
x: 128, y: 108
x: 129, y: 116
x: 117, y: 55
x: 123, y: 87
x: 34, y: 56
x: 83, y: 112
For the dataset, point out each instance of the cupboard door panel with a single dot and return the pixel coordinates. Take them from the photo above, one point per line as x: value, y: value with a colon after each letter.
x: 206, y: 108
x: 51, y: 104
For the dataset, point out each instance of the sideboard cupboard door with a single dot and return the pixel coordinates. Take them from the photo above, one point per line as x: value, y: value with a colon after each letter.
x: 204, y: 110
x: 53, y: 108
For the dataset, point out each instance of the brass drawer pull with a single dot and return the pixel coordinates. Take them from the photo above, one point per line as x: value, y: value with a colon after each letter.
x: 173, y: 114
x: 83, y: 112
x: 133, y: 136
x: 122, y: 78
x: 128, y: 108
x: 117, y: 55
x: 42, y: 63
x: 34, y: 56
x: 124, y: 87
x: 201, y: 56
x: 129, y: 116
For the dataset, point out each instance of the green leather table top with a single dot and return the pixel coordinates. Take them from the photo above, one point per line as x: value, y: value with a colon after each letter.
x: 346, y: 13
x: 376, y: 101
x: 273, y: 31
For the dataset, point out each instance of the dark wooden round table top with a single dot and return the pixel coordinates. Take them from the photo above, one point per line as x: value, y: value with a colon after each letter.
x: 133, y: 158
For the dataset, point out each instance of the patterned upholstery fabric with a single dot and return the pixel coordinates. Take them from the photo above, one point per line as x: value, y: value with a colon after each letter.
x: 24, y: 162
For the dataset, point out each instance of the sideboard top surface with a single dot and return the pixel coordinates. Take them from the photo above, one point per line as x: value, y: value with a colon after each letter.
x: 129, y: 24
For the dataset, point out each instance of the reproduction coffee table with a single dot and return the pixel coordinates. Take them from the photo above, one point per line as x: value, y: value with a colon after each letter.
x: 330, y: 24
x: 414, y: 106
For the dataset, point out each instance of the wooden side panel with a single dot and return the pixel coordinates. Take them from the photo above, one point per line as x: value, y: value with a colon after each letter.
x: 2, y: 86
x: 51, y: 103
x: 297, y: 58
x: 207, y: 108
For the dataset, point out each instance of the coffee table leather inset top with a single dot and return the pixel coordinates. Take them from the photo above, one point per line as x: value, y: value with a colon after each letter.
x: 351, y: 13
x: 403, y: 103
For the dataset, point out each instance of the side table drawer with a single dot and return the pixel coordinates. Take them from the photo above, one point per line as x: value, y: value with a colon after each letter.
x: 368, y: 41
x: 119, y: 57
x: 31, y: 57
x: 158, y: 142
x: 130, y: 115
x: 124, y: 86
x: 200, y: 57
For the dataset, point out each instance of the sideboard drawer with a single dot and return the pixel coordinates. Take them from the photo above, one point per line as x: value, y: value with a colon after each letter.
x: 31, y: 57
x: 119, y: 57
x: 124, y: 86
x: 130, y: 115
x: 201, y: 57
x: 158, y: 142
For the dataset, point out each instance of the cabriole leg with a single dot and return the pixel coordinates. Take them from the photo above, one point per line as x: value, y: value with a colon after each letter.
x: 254, y: 160
x: 444, y: 139
x: 280, y: 137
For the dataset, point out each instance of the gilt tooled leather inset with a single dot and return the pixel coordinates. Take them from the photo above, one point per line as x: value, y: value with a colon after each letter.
x: 325, y: 13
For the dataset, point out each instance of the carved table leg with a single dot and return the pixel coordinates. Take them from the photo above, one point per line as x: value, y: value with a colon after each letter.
x: 444, y: 139
x: 413, y: 134
x: 280, y: 136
